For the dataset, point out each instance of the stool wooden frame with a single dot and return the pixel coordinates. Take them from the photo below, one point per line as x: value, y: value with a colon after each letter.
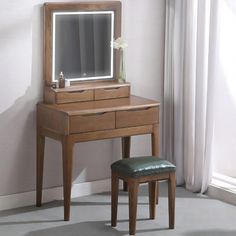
x: 133, y: 184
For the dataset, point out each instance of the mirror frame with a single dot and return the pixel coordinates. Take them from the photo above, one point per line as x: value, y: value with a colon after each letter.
x: 50, y: 8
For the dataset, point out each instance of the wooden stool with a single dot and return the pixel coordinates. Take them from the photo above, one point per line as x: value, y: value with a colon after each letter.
x: 142, y: 170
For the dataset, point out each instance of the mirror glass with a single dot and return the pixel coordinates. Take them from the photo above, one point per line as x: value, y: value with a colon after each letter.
x: 82, y: 45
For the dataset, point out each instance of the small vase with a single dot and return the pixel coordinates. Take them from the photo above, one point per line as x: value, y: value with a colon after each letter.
x: 122, y: 75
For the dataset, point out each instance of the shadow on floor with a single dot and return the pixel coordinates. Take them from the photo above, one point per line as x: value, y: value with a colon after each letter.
x: 80, y: 229
x: 28, y: 209
x: 212, y: 232
x: 24, y: 222
x: 86, y: 229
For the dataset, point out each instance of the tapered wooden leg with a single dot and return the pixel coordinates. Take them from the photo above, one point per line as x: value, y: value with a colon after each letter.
x: 67, y: 150
x: 157, y: 192
x: 155, y: 141
x: 155, y: 151
x: 39, y: 168
x: 125, y: 154
x: 114, y: 198
x: 133, y: 196
x: 171, y: 200
x: 152, y: 199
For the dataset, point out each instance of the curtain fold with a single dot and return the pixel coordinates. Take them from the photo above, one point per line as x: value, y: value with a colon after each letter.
x: 189, y: 89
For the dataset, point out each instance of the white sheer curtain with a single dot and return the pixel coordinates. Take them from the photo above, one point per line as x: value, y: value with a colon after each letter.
x: 190, y: 59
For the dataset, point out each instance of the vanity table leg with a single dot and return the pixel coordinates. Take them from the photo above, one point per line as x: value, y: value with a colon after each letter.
x: 67, y: 155
x: 125, y: 154
x: 155, y: 140
x: 155, y: 152
x: 39, y: 168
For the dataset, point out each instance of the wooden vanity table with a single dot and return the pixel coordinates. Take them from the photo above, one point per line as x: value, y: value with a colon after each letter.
x: 89, y: 110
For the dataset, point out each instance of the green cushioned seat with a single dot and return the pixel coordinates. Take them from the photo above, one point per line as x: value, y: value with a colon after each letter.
x: 142, y: 166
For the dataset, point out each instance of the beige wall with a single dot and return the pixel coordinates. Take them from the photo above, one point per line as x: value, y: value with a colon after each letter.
x: 21, y: 89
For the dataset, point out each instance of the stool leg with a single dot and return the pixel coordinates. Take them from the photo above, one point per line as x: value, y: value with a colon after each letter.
x: 157, y: 192
x: 152, y: 199
x: 125, y: 141
x: 114, y: 198
x: 171, y: 199
x: 133, y: 197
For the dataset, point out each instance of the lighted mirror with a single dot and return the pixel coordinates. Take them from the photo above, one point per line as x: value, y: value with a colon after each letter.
x: 77, y: 41
x: 82, y: 45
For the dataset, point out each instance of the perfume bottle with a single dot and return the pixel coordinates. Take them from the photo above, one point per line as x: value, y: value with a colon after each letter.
x: 61, y: 80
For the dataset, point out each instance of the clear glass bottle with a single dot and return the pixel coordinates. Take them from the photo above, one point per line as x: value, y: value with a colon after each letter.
x: 122, y: 74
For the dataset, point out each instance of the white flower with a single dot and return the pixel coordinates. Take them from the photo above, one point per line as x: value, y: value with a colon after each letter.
x: 120, y: 43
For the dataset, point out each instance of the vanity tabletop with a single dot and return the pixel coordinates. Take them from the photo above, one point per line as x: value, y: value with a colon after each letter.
x: 108, y: 105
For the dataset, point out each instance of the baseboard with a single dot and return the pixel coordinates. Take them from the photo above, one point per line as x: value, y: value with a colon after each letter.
x: 221, y: 193
x: 78, y: 190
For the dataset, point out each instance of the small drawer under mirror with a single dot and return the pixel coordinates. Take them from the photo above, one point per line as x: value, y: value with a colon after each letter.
x: 86, y: 92
x: 114, y: 92
x: 74, y: 96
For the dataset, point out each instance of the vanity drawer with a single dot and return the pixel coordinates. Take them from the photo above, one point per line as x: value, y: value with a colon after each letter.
x: 92, y: 122
x: 74, y: 96
x: 142, y: 116
x: 114, y: 92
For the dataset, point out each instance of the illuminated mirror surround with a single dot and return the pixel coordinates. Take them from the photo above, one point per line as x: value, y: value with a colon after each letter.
x: 81, y: 46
